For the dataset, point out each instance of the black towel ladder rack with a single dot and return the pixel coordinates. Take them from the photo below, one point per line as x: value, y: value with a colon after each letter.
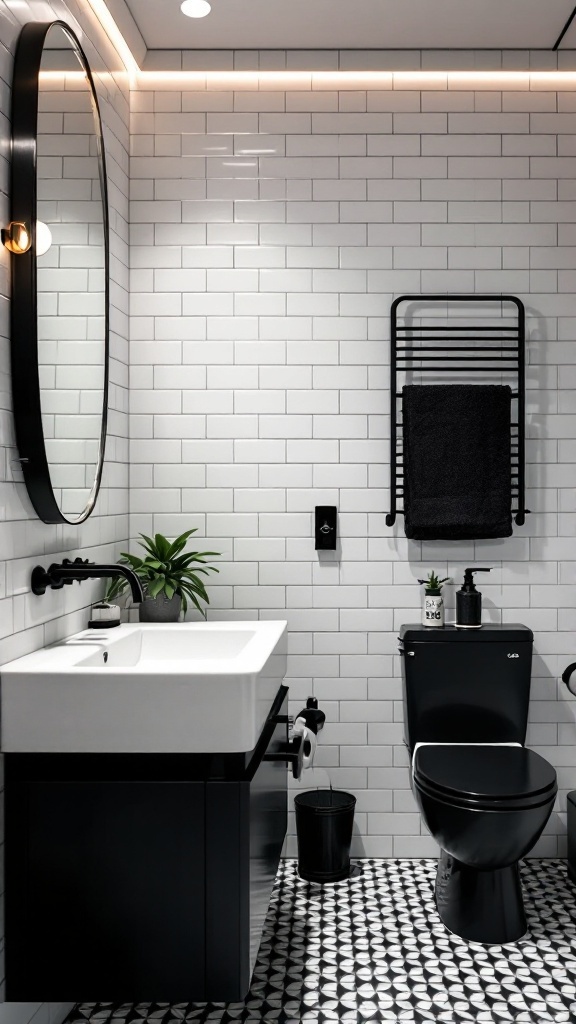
x: 421, y: 344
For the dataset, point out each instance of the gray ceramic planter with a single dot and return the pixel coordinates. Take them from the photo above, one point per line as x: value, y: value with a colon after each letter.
x: 160, y: 609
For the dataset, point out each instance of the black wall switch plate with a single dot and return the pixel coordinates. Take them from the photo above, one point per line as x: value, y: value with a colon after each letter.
x: 326, y: 527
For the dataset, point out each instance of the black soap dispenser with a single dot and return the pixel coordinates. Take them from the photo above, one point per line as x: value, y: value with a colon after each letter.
x: 469, y: 602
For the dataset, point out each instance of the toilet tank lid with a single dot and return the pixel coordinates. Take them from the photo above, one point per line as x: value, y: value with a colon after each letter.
x: 495, y: 632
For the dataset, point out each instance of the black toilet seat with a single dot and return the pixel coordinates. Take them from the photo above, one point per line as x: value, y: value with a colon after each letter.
x: 483, y: 776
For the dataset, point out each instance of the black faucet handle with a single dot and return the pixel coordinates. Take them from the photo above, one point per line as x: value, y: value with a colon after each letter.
x: 56, y: 581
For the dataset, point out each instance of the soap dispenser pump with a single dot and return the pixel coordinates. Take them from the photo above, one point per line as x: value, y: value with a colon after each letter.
x: 469, y: 602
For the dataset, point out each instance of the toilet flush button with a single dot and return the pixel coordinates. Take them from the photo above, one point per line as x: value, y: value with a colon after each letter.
x: 513, y: 655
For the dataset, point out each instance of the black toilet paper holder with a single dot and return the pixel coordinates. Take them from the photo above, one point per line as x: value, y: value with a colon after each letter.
x: 299, y: 746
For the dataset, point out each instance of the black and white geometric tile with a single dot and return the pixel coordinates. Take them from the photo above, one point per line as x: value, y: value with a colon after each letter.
x: 372, y: 949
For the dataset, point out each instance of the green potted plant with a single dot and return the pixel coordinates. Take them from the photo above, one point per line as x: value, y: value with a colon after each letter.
x: 433, y: 607
x: 170, y: 577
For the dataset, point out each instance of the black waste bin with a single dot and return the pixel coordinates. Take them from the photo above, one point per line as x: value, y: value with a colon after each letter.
x: 324, y: 820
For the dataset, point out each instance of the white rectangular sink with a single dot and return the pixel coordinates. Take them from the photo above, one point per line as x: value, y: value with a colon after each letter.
x: 194, y: 687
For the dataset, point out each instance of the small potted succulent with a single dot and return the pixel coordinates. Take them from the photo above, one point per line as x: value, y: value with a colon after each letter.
x: 170, y: 577
x: 433, y: 606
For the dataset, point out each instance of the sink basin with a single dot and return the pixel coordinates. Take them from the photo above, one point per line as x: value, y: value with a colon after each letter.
x: 191, y: 687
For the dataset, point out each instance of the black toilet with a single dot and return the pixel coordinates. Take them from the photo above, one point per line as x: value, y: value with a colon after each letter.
x: 483, y: 795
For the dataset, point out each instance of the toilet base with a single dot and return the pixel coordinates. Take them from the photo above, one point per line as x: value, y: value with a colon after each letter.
x: 480, y: 906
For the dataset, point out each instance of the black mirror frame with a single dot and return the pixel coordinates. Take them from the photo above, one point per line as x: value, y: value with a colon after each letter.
x: 24, y: 310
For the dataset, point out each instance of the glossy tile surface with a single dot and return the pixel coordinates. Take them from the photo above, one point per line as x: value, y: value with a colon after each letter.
x: 373, y: 949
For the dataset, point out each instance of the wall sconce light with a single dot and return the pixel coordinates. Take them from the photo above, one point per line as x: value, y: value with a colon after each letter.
x: 17, y: 238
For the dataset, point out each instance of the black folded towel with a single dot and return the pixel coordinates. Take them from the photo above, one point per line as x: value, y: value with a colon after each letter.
x: 457, y: 461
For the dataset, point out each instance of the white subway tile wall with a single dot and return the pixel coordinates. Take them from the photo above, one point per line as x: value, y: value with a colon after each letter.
x: 28, y: 622
x: 271, y: 228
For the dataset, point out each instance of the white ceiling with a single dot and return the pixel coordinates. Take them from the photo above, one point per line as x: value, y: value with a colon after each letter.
x: 350, y: 24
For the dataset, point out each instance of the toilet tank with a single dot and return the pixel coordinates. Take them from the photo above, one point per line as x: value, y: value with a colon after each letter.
x: 466, y: 686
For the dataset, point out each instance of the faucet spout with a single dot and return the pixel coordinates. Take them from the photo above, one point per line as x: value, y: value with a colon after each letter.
x: 66, y: 572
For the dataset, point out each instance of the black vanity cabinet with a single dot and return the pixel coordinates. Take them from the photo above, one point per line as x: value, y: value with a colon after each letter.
x: 141, y: 877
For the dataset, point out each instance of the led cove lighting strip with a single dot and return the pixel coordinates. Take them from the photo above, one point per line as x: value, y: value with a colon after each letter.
x: 116, y: 38
x: 326, y: 77
x: 508, y: 78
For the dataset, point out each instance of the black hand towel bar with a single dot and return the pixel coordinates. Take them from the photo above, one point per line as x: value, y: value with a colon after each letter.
x: 437, y: 345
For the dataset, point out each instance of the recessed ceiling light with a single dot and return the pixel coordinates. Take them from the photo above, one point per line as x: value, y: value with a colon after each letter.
x: 195, y: 8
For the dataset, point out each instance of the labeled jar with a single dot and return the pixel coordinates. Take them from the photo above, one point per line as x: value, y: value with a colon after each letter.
x: 433, y: 609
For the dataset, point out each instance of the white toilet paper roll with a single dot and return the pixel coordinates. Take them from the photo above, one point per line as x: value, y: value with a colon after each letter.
x: 309, y: 739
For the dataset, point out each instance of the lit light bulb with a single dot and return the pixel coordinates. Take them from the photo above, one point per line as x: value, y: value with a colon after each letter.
x: 43, y: 238
x: 195, y: 8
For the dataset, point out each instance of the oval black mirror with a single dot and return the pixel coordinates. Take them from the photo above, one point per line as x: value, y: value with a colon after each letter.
x: 60, y: 274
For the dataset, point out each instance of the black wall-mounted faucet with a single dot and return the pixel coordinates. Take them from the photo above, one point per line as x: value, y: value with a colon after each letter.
x: 67, y: 571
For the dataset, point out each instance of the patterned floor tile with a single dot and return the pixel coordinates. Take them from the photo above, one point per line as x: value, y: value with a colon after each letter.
x: 373, y: 950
